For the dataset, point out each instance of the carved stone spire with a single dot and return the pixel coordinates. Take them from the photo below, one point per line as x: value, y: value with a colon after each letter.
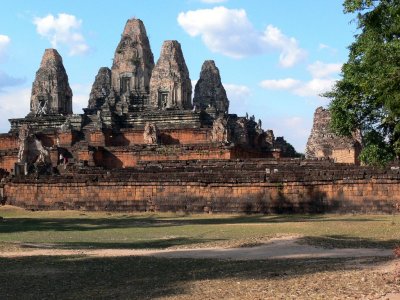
x: 133, y: 61
x: 170, y: 85
x: 101, y: 88
x: 51, y: 93
x: 209, y: 90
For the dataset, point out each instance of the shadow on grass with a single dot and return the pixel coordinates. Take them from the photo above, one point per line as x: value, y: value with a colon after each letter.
x: 327, y: 241
x: 146, y: 244
x: 344, y: 241
x: 10, y: 225
x: 144, y: 277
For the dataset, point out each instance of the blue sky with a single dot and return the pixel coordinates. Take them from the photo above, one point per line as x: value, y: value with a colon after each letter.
x: 274, y: 57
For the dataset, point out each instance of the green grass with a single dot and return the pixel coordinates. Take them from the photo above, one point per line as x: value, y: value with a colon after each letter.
x: 76, y: 229
x: 84, y: 277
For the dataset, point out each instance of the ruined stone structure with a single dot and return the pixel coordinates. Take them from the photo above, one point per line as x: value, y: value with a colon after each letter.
x: 138, y: 111
x: 245, y: 186
x: 132, y: 67
x: 142, y: 145
x: 101, y: 89
x: 323, y: 143
x: 220, y: 131
x: 150, y: 134
x: 51, y: 99
x: 51, y: 93
x: 170, y: 85
x: 209, y: 91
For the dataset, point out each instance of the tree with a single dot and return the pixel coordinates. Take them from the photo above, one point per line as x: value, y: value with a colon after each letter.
x: 367, y: 98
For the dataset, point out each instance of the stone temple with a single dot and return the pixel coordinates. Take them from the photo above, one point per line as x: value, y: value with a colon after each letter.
x: 324, y: 143
x: 145, y: 142
x: 137, y: 111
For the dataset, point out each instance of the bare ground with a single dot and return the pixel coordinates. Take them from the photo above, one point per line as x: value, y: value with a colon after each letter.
x: 371, y: 281
x: 276, y: 248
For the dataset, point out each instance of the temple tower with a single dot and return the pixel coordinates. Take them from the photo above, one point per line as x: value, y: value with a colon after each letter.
x: 51, y: 93
x: 101, y: 88
x: 170, y: 85
x: 209, y: 91
x: 132, y: 65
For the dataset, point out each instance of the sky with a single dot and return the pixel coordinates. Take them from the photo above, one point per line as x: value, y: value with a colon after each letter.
x: 275, y: 57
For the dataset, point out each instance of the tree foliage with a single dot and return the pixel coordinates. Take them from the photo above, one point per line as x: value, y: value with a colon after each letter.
x: 368, y: 95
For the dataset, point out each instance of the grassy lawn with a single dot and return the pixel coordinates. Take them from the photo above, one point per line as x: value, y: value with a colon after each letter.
x: 76, y: 229
x: 83, y: 277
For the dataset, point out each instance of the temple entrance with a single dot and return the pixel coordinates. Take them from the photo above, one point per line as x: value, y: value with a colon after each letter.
x: 162, y: 99
x: 125, y: 85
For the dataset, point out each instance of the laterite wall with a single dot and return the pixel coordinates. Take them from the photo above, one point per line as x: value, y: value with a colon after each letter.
x: 340, y: 196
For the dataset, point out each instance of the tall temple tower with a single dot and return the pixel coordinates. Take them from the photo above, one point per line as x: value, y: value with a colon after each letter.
x: 209, y: 91
x: 132, y: 65
x: 170, y: 85
x: 51, y: 93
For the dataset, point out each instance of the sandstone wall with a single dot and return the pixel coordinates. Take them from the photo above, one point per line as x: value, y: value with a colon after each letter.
x: 8, y: 160
x: 258, y: 185
x: 112, y: 158
x: 348, y: 156
x: 358, y: 195
x: 8, y: 142
x: 182, y: 136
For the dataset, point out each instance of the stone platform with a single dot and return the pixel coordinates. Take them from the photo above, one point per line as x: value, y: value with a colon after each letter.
x: 230, y: 186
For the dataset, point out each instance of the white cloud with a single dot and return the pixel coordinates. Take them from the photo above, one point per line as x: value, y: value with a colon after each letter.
x: 238, y: 96
x: 323, y: 46
x: 63, y: 30
x: 213, y: 1
x: 291, y: 53
x: 4, y: 42
x: 13, y: 104
x: 280, y: 84
x: 229, y: 32
x: 314, y: 87
x: 296, y: 130
x: 323, y: 78
x: 80, y: 97
x: 321, y: 70
x: 237, y: 92
x: 193, y: 86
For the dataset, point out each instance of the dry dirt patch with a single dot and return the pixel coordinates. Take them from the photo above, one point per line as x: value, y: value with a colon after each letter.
x: 275, y: 248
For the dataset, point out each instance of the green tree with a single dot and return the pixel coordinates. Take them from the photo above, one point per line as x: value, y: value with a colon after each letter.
x: 367, y: 98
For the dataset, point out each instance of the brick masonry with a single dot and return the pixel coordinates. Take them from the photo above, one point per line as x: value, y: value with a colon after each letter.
x: 256, y: 186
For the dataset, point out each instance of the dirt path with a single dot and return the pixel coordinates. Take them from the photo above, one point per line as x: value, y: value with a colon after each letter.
x: 279, y: 248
